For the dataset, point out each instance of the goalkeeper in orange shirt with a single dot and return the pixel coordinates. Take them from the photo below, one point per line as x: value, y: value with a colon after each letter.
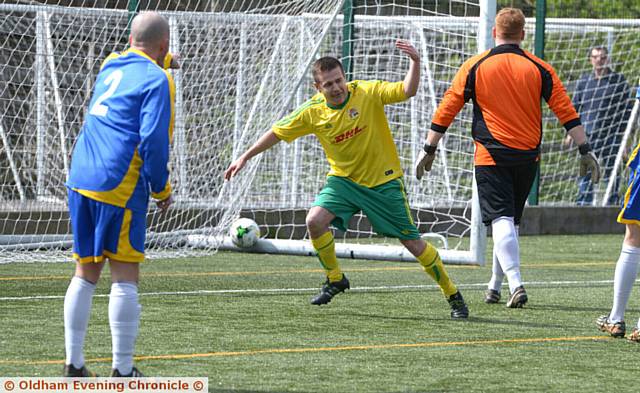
x: 506, y: 85
x: 349, y: 121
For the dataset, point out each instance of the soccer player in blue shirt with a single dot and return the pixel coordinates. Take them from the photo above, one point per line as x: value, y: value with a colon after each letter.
x: 627, y: 265
x: 120, y: 157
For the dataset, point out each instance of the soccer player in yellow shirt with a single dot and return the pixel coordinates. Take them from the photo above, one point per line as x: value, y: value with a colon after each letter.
x: 349, y: 121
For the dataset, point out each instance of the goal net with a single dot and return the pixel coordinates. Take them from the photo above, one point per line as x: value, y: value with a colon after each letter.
x: 604, y: 102
x: 242, y: 64
x: 442, y: 203
x: 245, y: 65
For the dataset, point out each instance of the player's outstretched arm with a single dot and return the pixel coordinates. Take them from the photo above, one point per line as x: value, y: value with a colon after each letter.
x: 428, y: 153
x: 412, y: 79
x: 588, y: 160
x: 266, y: 141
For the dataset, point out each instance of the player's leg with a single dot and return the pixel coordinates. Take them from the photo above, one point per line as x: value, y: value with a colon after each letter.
x: 502, y: 196
x: 522, y: 178
x: 507, y: 250
x: 77, y: 309
x: 429, y: 258
x: 627, y: 265
x: 496, y: 195
x: 125, y: 250
x: 86, y: 219
x: 492, y: 295
x: 387, y: 208
x: 124, y: 316
x: 624, y: 278
x: 318, y: 220
x: 332, y: 206
x: 626, y: 271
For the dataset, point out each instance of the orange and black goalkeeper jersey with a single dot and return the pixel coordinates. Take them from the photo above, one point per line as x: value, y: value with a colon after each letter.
x: 506, y: 85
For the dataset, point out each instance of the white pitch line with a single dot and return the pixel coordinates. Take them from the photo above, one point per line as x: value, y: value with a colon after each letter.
x: 305, y: 290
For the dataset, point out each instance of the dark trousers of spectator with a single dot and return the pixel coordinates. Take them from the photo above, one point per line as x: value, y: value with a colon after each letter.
x: 585, y: 187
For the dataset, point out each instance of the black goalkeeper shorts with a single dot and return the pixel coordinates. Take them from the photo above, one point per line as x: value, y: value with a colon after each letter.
x: 503, y: 190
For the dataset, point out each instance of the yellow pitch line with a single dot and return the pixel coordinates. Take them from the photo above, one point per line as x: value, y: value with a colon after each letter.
x: 568, y: 264
x: 327, y: 349
x: 256, y: 273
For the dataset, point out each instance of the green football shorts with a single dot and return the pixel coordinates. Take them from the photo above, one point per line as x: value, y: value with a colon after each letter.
x: 385, y: 206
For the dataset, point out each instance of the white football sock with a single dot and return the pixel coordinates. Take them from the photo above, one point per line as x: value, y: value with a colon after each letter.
x: 124, y: 318
x: 625, y: 276
x: 497, y: 275
x: 77, y: 309
x: 505, y: 242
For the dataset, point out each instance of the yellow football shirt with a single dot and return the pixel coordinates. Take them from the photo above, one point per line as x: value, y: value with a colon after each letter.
x: 355, y: 137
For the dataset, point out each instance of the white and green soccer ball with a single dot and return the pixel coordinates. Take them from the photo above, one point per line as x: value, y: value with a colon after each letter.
x: 244, y: 232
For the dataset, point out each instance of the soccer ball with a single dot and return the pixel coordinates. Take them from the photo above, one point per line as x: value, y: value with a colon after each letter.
x: 244, y: 232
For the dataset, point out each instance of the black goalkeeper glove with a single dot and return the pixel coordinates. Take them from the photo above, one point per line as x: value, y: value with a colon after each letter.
x: 589, y: 163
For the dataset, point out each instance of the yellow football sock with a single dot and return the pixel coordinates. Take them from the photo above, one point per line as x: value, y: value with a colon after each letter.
x: 430, y: 260
x: 326, y: 250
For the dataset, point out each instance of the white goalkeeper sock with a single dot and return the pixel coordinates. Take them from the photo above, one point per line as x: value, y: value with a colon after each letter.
x: 124, y: 319
x: 497, y: 275
x: 77, y: 309
x: 507, y: 250
x: 625, y: 276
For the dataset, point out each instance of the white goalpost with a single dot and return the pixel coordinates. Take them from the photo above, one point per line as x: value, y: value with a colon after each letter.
x: 245, y: 65
x: 445, y: 206
x: 51, y: 55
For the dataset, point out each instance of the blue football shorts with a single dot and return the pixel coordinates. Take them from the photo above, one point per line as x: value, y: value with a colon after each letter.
x: 103, y: 231
x: 630, y: 213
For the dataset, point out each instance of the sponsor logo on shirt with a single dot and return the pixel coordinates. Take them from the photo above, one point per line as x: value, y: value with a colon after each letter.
x: 349, y: 134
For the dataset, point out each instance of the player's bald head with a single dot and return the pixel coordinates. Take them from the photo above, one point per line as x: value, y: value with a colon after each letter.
x: 149, y: 29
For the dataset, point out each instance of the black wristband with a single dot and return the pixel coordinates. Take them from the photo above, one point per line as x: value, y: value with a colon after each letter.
x: 430, y: 149
x: 584, y: 148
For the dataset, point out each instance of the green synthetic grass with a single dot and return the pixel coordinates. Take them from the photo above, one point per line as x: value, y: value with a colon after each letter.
x: 373, y: 339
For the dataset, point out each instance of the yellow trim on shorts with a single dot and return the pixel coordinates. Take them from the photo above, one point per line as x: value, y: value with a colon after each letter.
x: 627, y: 196
x: 89, y: 259
x: 121, y: 258
x: 126, y: 252
x: 406, y: 201
x: 625, y: 221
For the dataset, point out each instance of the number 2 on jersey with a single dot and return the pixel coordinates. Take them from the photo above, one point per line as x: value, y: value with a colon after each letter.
x: 113, y: 80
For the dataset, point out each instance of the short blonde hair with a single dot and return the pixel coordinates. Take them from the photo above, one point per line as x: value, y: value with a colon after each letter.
x: 509, y: 23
